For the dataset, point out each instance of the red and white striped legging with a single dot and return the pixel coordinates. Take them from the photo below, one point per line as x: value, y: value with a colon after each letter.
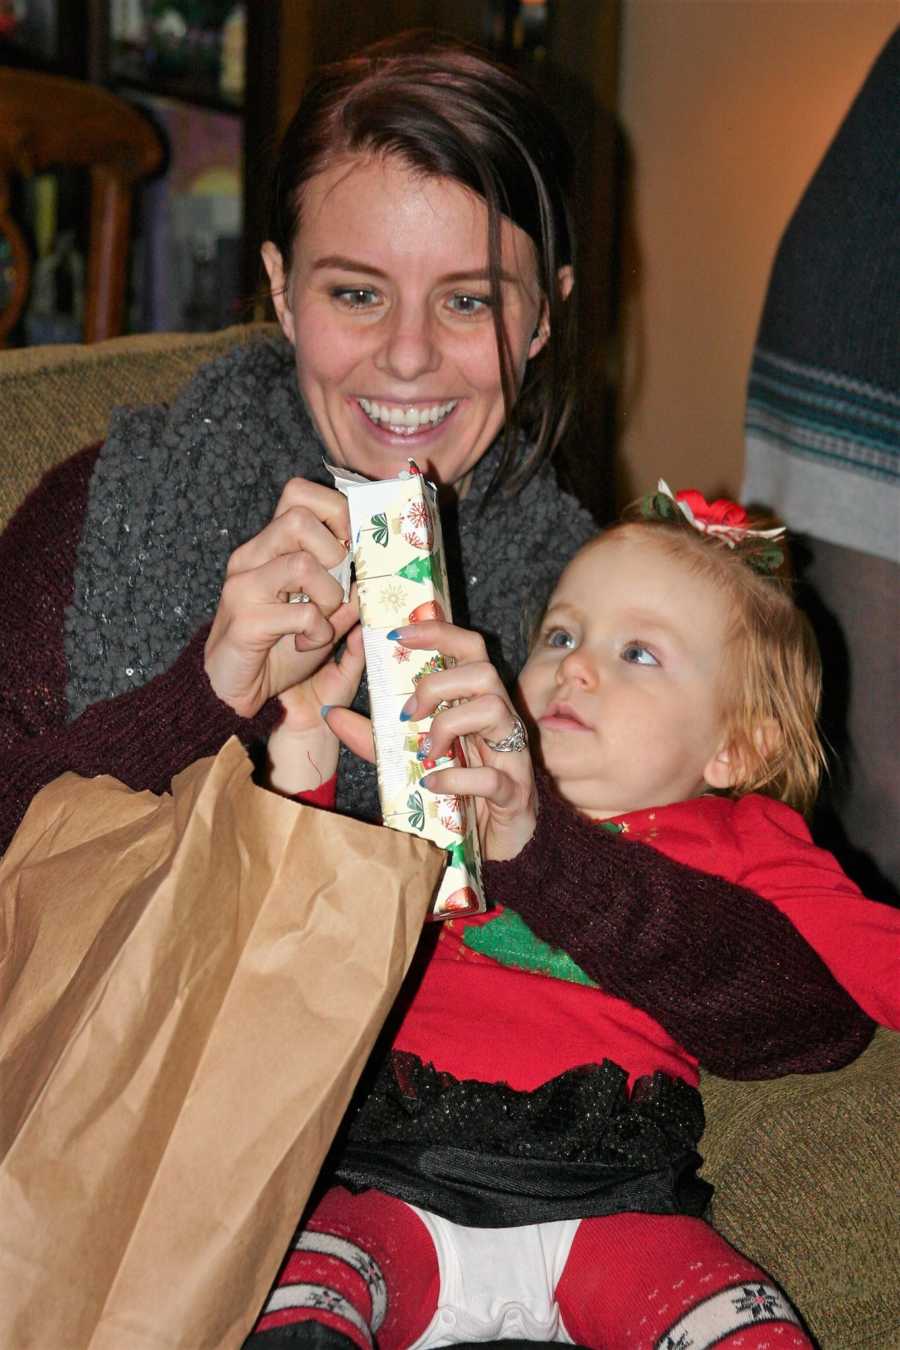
x: 364, y: 1266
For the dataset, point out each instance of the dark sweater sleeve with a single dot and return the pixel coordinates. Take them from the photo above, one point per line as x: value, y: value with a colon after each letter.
x: 723, y: 970
x: 143, y: 737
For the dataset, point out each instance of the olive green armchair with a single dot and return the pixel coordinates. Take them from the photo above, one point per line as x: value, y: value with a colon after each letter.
x: 805, y: 1168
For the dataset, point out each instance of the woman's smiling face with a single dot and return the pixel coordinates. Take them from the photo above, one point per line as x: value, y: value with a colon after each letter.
x: 387, y: 306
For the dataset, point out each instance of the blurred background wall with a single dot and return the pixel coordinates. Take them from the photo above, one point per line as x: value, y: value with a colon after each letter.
x: 727, y: 106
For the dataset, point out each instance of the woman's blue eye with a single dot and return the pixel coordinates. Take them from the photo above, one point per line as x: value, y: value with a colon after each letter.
x: 638, y: 655
x: 354, y: 297
x: 469, y: 304
x: 558, y: 637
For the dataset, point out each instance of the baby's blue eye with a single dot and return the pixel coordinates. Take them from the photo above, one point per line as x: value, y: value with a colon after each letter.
x: 638, y: 655
x: 558, y: 637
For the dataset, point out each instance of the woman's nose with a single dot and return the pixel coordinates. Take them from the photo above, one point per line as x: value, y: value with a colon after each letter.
x: 409, y: 348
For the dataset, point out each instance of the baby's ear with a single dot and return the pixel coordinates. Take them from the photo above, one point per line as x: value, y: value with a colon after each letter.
x: 737, y: 762
x: 721, y: 771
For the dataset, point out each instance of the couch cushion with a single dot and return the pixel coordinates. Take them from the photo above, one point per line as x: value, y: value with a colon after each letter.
x: 805, y: 1170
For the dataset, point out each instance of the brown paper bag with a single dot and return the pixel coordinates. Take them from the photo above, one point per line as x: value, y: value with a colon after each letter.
x: 190, y: 987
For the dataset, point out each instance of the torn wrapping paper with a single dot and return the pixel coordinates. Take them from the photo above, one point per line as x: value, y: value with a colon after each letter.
x: 398, y: 556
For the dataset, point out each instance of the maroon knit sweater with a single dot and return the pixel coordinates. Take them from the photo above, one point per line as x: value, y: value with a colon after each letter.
x: 723, y: 970
x: 687, y: 947
x: 143, y: 737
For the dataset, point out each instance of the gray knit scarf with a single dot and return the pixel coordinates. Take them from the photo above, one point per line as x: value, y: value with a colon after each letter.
x: 176, y: 490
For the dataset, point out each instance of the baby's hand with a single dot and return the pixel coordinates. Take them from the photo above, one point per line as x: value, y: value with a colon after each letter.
x: 302, y: 750
x: 501, y: 780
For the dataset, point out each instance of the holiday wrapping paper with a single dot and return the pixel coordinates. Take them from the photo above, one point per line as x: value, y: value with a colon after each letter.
x: 398, y: 557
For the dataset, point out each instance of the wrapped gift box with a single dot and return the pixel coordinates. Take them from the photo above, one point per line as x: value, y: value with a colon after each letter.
x: 398, y: 557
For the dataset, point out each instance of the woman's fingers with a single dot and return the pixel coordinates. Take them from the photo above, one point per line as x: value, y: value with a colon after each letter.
x: 296, y: 533
x: 326, y: 504
x: 260, y: 643
x: 461, y: 644
x: 488, y: 716
x: 506, y: 805
x: 469, y: 682
x: 254, y: 603
x: 493, y: 785
x: 354, y: 730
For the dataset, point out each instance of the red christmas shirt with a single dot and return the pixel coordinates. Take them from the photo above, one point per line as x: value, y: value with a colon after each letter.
x: 478, y: 1017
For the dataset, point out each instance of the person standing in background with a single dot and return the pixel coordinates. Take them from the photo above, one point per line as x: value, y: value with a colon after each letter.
x: 823, y: 444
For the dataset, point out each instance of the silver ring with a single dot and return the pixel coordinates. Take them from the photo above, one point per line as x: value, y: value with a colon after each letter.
x: 298, y: 598
x: 511, y: 744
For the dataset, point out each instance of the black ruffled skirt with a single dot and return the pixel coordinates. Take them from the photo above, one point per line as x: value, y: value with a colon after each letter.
x: 487, y: 1155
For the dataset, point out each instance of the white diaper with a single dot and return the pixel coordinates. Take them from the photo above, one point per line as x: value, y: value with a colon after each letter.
x: 497, y: 1283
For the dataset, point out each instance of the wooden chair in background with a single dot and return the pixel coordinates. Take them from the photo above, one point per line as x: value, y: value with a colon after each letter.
x: 47, y: 121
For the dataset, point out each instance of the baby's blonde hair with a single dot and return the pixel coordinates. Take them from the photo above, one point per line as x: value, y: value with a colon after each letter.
x: 772, y: 682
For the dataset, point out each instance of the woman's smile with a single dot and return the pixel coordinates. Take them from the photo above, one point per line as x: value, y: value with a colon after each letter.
x: 409, y: 421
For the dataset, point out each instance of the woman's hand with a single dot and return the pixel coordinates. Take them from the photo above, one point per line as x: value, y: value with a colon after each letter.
x: 303, y: 750
x: 501, y: 782
x: 259, y: 645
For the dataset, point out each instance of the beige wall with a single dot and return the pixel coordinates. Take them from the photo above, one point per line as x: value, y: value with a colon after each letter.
x: 728, y: 106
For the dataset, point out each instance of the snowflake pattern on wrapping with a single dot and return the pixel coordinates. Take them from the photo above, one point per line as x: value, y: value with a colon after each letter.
x: 393, y: 597
x: 415, y: 525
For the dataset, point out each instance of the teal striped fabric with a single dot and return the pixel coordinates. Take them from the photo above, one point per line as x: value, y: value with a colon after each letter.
x: 819, y: 415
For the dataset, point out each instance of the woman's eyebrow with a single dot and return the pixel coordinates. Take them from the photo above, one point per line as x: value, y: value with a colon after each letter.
x: 342, y: 264
x: 481, y: 274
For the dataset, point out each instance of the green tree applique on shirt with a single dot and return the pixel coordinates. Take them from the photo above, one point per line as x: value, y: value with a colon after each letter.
x: 509, y: 941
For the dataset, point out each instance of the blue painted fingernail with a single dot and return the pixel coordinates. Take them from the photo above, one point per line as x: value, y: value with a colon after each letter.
x: 406, y: 711
x: 423, y: 782
x: 326, y: 709
x: 393, y: 635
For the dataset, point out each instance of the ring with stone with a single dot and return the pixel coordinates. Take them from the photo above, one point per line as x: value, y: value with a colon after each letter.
x: 298, y: 598
x: 511, y: 744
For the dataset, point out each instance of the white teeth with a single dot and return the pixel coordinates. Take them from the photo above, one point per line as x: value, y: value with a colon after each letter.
x: 406, y: 421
